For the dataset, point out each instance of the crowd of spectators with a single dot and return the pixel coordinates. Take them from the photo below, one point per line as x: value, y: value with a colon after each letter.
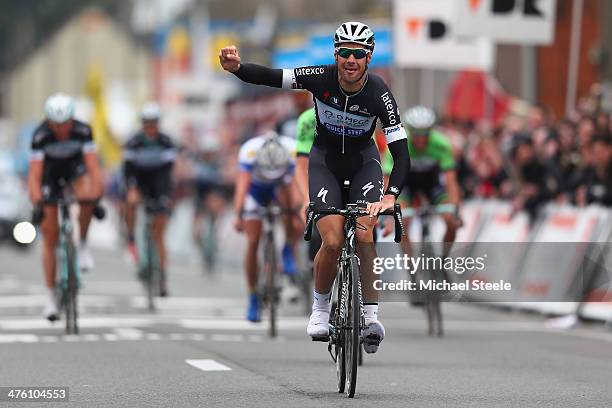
x: 535, y: 158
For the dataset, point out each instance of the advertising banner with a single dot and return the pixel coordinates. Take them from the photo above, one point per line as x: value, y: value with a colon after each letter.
x: 507, y: 21
x: 424, y: 36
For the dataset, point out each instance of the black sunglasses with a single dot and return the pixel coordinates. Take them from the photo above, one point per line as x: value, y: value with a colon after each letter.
x: 358, y: 53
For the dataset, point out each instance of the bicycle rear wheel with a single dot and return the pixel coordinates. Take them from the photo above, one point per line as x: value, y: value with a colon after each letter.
x: 353, y: 323
x: 71, y: 288
x: 270, y: 271
x: 209, y: 244
x: 149, y: 272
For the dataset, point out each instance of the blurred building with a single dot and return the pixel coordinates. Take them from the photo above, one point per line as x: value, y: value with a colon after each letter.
x: 91, y: 41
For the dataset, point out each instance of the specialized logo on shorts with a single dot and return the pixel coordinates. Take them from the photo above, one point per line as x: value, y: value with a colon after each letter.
x: 366, y: 189
x: 323, y: 193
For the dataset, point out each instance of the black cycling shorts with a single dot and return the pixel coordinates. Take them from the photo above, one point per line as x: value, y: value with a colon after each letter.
x: 56, y: 171
x: 328, y: 170
x: 428, y: 184
x: 155, y: 185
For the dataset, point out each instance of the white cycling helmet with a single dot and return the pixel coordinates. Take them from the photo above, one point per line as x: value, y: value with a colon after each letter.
x: 59, y: 108
x: 272, y: 160
x: 420, y: 118
x: 150, y: 112
x: 354, y: 32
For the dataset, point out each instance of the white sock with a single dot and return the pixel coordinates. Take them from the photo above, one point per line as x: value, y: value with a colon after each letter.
x: 371, y: 311
x: 320, y: 300
x: 51, y: 294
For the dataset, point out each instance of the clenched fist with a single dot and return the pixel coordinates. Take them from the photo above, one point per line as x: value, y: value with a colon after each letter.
x: 229, y: 58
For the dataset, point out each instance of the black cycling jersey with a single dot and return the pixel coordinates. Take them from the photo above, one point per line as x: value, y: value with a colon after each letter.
x: 46, y: 146
x: 345, y: 121
x: 148, y: 166
x: 62, y: 159
x: 144, y: 154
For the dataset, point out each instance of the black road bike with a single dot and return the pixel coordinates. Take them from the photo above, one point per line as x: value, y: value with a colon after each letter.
x: 347, y: 317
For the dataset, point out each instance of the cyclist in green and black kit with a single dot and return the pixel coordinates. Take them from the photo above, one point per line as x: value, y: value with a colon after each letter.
x: 432, y: 173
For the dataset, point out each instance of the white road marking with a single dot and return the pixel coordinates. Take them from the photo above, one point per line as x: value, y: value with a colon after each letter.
x: 110, y: 337
x: 71, y: 338
x: 128, y: 333
x: 208, y: 365
x: 18, y: 338
x: 177, y: 336
x: 91, y: 337
x: 227, y: 337
x: 197, y: 337
x: 152, y: 336
x: 49, y: 339
x: 84, y: 322
x: 291, y: 323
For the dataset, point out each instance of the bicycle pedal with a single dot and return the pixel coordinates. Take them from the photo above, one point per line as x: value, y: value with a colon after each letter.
x: 324, y: 339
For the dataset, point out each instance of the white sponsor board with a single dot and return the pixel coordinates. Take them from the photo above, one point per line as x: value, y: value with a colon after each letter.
x: 424, y: 36
x: 507, y: 21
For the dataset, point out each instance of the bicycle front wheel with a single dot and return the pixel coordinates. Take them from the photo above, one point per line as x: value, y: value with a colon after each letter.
x: 338, y: 317
x: 353, y: 326
x: 71, y: 288
x: 270, y: 271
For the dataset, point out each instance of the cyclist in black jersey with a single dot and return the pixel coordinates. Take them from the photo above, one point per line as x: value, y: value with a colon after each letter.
x: 148, y: 160
x: 348, y: 101
x: 63, y: 152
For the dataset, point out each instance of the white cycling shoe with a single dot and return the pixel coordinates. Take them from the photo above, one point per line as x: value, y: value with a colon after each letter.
x: 318, y: 325
x: 372, y: 335
x: 86, y: 261
x: 50, y: 311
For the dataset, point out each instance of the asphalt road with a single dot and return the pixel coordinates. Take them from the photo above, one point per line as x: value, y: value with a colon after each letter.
x: 125, y: 356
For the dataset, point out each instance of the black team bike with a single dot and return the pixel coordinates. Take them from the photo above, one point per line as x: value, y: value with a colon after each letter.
x: 347, y: 316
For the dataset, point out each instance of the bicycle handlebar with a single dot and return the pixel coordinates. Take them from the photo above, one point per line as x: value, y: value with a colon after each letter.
x: 352, y: 211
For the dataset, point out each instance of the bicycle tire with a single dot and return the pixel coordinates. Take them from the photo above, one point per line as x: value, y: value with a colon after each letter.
x: 270, y: 270
x: 149, y: 271
x: 353, y: 328
x: 209, y: 245
x: 338, y: 320
x: 71, y: 288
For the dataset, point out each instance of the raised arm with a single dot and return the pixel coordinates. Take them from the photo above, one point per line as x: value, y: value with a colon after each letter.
x: 251, y: 73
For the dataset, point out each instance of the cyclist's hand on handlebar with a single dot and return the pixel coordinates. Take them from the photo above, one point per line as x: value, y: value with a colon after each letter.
x: 229, y: 58
x: 386, y: 203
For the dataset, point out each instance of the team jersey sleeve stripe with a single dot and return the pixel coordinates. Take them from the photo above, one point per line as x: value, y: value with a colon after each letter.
x: 393, y: 133
x: 288, y: 79
x: 89, y: 147
x: 37, y: 155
